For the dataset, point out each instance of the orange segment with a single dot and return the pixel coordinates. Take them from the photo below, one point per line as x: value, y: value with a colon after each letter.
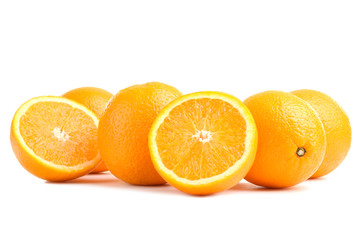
x: 203, y: 142
x: 55, y: 138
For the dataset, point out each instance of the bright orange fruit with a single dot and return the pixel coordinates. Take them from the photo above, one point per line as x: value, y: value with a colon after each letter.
x: 55, y: 138
x: 124, y: 128
x: 337, y: 128
x: 292, y: 140
x: 95, y: 99
x: 203, y: 143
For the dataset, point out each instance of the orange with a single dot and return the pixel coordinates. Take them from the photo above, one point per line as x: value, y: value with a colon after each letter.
x: 337, y: 128
x: 95, y: 99
x: 55, y: 138
x: 203, y: 143
x: 292, y: 140
x: 124, y: 128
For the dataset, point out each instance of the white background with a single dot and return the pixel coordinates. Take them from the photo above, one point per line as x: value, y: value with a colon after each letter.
x: 238, y: 47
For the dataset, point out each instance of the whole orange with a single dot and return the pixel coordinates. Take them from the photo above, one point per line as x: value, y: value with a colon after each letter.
x: 291, y: 143
x: 124, y: 129
x: 95, y: 99
x: 337, y: 128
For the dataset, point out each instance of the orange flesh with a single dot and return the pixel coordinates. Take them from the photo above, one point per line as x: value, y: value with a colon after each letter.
x: 59, y: 133
x: 194, y: 154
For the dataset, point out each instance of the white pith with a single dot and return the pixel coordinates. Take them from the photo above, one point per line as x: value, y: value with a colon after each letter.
x: 60, y: 134
x: 203, y: 136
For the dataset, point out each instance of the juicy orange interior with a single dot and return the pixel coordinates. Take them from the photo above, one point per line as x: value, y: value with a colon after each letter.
x: 201, y: 138
x: 59, y: 133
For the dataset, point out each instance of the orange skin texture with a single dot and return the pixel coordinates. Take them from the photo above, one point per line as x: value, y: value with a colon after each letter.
x: 124, y: 128
x: 285, y: 123
x: 337, y: 128
x: 96, y: 99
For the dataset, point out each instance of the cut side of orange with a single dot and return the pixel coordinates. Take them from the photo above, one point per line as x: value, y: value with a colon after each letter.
x: 204, y: 142
x: 55, y: 138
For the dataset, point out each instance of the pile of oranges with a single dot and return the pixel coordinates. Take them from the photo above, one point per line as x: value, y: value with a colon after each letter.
x: 201, y: 143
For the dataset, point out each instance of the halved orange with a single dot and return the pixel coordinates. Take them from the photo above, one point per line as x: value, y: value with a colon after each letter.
x: 204, y: 142
x: 55, y: 138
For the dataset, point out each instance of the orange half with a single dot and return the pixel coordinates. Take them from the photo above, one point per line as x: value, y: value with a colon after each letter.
x: 55, y: 138
x: 204, y: 142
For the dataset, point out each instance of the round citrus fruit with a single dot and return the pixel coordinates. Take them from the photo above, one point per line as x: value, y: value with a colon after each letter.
x: 95, y: 99
x: 203, y: 143
x: 124, y: 129
x: 292, y: 140
x: 337, y: 128
x: 55, y: 138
